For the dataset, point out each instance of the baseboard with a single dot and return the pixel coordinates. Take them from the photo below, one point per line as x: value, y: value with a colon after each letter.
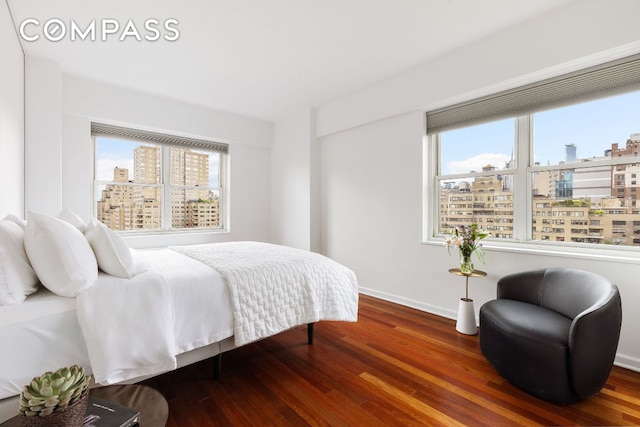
x: 407, y: 302
x: 621, y: 360
x: 628, y: 362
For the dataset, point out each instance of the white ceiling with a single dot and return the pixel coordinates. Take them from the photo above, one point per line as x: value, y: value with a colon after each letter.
x: 266, y: 59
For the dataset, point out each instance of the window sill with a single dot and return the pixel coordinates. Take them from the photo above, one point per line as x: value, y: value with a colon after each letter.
x: 629, y: 255
x: 164, y: 238
x: 174, y: 232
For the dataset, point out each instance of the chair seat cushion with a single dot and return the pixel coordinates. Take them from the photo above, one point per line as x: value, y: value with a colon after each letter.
x: 529, y: 321
x: 528, y: 345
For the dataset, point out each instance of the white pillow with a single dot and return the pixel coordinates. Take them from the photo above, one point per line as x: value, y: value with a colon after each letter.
x: 10, y: 217
x: 112, y: 252
x: 141, y: 263
x: 17, y: 278
x: 69, y: 216
x: 60, y: 255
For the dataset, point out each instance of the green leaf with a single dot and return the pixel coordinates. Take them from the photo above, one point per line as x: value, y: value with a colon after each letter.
x: 68, y: 383
x: 57, y: 383
x: 47, y: 391
x: 51, y: 401
x: 47, y: 411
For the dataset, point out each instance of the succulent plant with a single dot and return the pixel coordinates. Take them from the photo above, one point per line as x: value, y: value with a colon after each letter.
x: 54, y: 391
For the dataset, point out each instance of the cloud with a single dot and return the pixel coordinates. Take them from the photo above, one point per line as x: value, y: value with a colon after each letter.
x: 476, y: 163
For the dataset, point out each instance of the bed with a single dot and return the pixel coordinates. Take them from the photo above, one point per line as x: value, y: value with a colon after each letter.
x: 180, y: 305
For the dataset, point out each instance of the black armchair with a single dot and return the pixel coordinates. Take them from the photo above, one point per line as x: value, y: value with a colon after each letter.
x: 553, y: 332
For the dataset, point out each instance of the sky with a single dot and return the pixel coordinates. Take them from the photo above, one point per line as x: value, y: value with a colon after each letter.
x: 592, y: 126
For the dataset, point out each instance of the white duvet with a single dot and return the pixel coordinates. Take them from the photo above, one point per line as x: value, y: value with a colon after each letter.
x: 135, y: 327
x: 192, y: 296
x: 274, y: 288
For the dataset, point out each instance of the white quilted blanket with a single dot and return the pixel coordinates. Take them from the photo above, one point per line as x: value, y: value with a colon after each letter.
x: 274, y: 288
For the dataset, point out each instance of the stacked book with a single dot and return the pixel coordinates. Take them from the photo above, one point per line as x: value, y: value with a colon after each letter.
x: 102, y: 413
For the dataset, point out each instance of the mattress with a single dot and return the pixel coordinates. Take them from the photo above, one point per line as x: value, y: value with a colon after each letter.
x: 43, y: 334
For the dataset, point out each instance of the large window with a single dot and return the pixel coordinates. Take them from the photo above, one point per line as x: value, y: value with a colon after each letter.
x: 146, y: 181
x: 562, y: 171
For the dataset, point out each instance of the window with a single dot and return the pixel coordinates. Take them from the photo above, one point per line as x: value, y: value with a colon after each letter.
x: 146, y: 181
x: 569, y: 154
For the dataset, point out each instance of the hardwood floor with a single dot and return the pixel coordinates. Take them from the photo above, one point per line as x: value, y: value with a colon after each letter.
x: 396, y: 366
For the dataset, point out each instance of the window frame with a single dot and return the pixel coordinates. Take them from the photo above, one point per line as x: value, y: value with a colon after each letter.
x: 523, y: 202
x: 164, y: 183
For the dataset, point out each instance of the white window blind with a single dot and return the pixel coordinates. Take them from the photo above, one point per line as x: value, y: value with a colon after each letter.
x: 101, y: 129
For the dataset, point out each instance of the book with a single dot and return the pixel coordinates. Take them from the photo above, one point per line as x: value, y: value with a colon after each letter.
x: 103, y: 413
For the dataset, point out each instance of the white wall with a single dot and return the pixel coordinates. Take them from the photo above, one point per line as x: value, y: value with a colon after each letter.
x: 11, y: 118
x: 43, y: 155
x: 371, y: 161
x: 567, y: 36
x: 64, y: 173
x: 291, y: 181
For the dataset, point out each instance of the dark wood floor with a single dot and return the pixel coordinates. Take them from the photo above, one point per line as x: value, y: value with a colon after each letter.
x: 394, y: 367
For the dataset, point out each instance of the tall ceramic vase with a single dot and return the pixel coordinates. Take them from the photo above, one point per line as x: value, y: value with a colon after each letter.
x: 466, y: 323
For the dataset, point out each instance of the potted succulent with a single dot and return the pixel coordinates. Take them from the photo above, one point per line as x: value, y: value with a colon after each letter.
x: 56, y: 398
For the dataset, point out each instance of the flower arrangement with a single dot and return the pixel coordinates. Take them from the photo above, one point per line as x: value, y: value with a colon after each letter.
x: 467, y: 238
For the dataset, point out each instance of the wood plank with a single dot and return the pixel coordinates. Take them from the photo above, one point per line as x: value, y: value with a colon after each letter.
x: 395, y: 366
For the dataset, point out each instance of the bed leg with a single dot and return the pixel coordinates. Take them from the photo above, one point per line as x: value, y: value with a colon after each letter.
x: 217, y: 366
x: 310, y: 333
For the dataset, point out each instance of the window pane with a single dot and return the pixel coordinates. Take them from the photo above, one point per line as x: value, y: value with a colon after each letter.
x: 196, y: 201
x: 487, y: 201
x: 195, y: 208
x: 587, y: 131
x: 598, y: 204
x: 122, y: 206
x: 195, y: 167
x: 122, y: 161
x: 129, y: 207
x: 475, y: 147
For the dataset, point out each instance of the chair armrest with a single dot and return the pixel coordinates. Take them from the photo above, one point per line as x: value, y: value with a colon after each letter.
x: 593, y: 342
x: 525, y: 286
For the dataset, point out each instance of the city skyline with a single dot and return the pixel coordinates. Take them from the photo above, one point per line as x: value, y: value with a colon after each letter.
x: 192, y: 202
x: 579, y: 204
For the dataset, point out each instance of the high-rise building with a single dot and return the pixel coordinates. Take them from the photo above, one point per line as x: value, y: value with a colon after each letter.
x: 570, y: 153
x: 192, y: 207
x: 625, y: 179
x: 146, y: 170
x: 125, y: 207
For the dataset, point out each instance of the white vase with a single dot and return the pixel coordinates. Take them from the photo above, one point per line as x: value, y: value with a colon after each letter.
x: 466, y: 323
